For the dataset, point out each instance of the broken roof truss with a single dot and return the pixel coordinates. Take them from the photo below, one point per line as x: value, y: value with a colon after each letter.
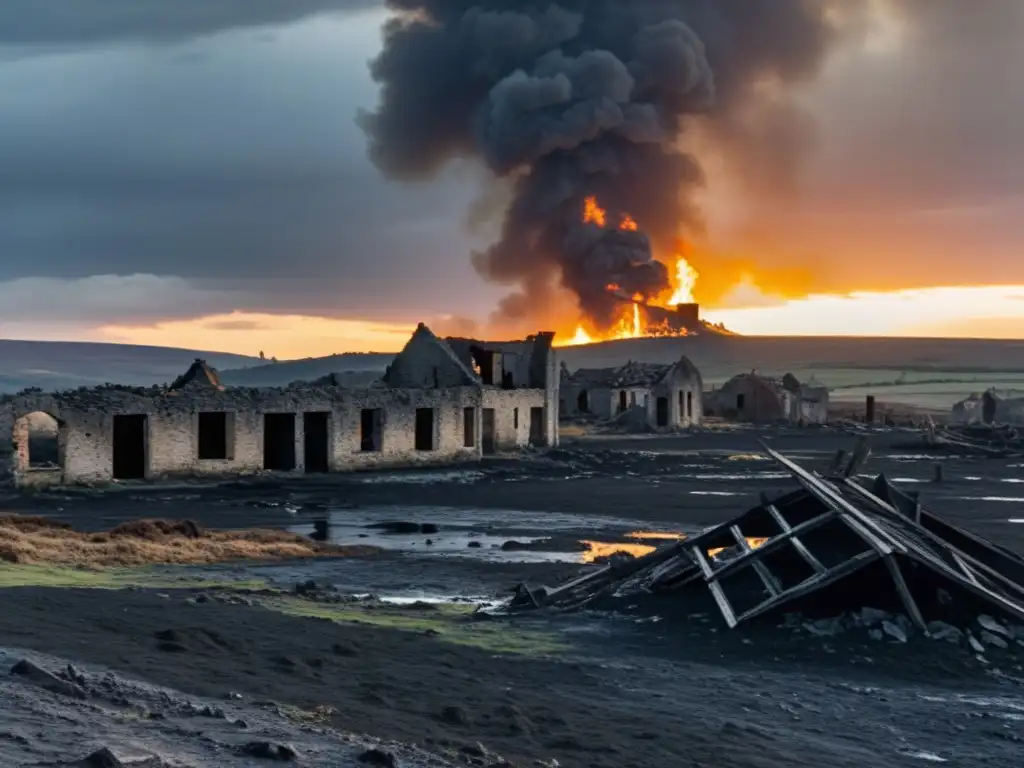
x: 830, y: 546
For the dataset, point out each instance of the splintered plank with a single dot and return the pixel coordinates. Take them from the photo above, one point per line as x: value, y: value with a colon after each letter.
x: 716, y: 589
x: 767, y: 578
x: 798, y: 545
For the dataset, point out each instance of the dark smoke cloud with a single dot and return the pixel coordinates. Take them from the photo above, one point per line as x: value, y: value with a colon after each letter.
x: 583, y: 97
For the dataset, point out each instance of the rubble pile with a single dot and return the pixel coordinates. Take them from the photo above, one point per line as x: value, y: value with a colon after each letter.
x: 833, y: 546
x: 992, y: 440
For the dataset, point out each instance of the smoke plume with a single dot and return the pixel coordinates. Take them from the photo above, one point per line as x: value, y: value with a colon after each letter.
x: 580, y: 98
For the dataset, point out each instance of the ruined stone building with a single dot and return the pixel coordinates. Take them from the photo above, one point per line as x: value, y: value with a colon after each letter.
x: 438, y: 403
x: 993, y: 406
x: 757, y: 399
x: 662, y: 395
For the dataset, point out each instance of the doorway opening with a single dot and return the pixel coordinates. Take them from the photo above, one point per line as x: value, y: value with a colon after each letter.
x: 279, y: 442
x: 622, y: 400
x: 424, y: 429
x: 689, y: 405
x: 487, y: 441
x: 130, y: 447
x: 316, y: 429
x: 583, y: 402
x: 38, y: 438
x: 215, y: 436
x: 537, y: 426
x: 662, y: 411
x: 741, y: 400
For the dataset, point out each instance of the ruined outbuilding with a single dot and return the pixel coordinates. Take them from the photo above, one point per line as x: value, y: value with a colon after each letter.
x: 660, y: 395
x: 757, y: 399
x: 432, y: 406
x: 993, y: 406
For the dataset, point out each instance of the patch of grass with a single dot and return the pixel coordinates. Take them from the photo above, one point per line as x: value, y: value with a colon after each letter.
x: 112, y: 578
x: 28, y: 540
x: 445, y: 623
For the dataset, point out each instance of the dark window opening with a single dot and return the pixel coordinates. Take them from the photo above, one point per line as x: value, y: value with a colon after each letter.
x: 214, y: 438
x: 740, y: 402
x: 487, y: 440
x: 632, y: 399
x: 371, y: 429
x: 689, y: 405
x: 622, y: 400
x: 130, y: 447
x: 582, y: 402
x: 424, y: 429
x: 681, y: 410
x: 316, y: 441
x: 483, y: 359
x: 506, y: 380
x: 662, y: 411
x: 537, y: 426
x: 469, y: 427
x: 279, y: 442
x: 515, y: 418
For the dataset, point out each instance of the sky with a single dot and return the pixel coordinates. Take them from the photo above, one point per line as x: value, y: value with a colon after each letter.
x: 192, y: 174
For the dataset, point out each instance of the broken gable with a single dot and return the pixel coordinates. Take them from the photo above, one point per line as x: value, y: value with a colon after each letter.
x: 428, y: 362
x: 199, y: 374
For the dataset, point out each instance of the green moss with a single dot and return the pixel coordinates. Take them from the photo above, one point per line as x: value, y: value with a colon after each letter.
x: 445, y: 623
x: 113, y: 578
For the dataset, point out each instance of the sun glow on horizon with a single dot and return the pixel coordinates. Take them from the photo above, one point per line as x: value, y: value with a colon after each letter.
x: 993, y: 311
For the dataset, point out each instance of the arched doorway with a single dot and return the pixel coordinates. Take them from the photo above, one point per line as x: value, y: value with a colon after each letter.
x: 40, y: 455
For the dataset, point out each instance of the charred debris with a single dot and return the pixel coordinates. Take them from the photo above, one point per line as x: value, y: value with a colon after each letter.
x: 834, y: 546
x: 998, y: 441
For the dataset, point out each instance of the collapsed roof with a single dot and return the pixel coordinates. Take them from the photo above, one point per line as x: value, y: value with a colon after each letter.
x: 831, y: 546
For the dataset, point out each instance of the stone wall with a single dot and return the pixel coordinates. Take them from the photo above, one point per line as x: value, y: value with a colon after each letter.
x: 86, y: 436
x: 512, y: 415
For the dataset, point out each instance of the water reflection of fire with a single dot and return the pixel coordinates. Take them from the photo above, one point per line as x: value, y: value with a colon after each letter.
x: 633, y: 323
x: 604, y: 549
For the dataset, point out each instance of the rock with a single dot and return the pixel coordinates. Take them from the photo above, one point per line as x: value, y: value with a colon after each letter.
x: 474, y: 545
x: 904, y: 623
x: 101, y: 758
x: 268, y: 750
x: 975, y: 645
x: 876, y: 634
x: 869, y: 617
x: 991, y: 638
x: 454, y: 716
x: 940, y: 630
x: 46, y: 680
x: 429, y: 528
x: 825, y: 627
x: 993, y: 626
x: 306, y: 587
x: 894, y: 631
x: 378, y: 757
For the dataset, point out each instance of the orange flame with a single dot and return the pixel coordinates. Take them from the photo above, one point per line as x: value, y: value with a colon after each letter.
x: 593, y: 213
x: 631, y: 323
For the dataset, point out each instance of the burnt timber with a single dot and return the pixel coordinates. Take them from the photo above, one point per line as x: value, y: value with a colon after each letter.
x: 830, y: 546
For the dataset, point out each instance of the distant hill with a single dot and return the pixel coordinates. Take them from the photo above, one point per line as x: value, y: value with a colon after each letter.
x: 262, y: 374
x: 53, y: 365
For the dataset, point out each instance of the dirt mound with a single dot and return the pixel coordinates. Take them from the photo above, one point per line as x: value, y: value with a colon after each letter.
x: 33, y: 540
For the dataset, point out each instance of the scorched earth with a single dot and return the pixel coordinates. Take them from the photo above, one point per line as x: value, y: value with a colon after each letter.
x: 385, y: 642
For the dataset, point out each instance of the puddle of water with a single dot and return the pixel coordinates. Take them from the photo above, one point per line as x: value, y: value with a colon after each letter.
x: 907, y: 480
x: 921, y: 755
x: 914, y: 457
x: 1011, y: 480
x: 1009, y: 499
x: 461, y: 477
x: 737, y: 476
x: 608, y: 548
x: 1016, y: 520
x: 713, y: 493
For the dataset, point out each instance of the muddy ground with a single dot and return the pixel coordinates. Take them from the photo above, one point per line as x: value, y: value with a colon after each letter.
x: 661, y: 684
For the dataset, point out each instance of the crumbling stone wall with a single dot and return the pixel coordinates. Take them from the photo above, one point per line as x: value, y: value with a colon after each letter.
x: 427, y: 362
x: 512, y: 415
x: 86, y: 419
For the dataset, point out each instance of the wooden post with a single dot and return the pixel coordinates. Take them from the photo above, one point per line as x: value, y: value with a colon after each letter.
x: 869, y: 409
